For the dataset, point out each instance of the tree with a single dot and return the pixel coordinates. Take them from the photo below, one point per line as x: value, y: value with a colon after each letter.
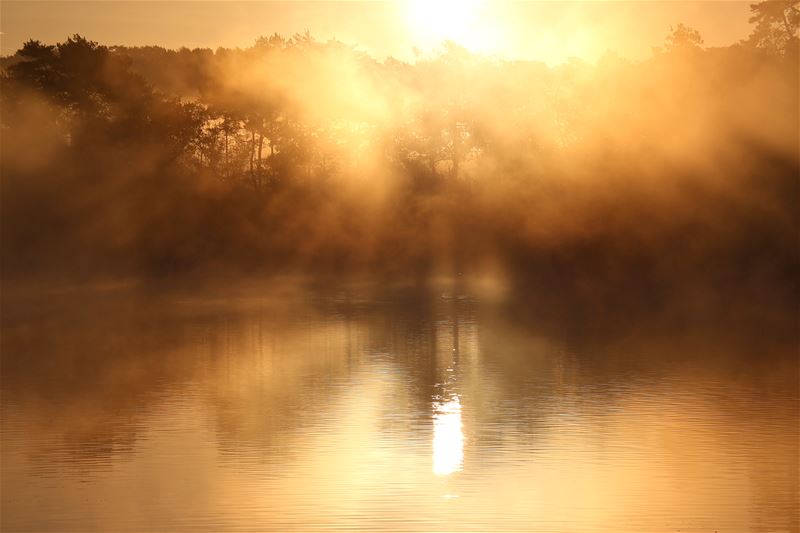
x: 37, y: 65
x: 683, y: 38
x: 777, y: 23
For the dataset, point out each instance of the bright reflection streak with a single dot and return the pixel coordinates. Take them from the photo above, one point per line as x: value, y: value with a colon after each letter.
x: 448, y: 439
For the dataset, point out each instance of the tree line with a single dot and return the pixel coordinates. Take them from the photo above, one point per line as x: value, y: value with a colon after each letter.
x: 300, y: 155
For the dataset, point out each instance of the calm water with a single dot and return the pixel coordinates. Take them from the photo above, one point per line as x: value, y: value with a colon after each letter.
x: 405, y: 412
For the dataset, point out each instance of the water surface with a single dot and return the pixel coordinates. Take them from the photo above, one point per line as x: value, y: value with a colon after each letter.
x: 412, y: 411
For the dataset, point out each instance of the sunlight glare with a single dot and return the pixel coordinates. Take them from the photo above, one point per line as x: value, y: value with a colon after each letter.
x: 463, y: 21
x: 448, y: 438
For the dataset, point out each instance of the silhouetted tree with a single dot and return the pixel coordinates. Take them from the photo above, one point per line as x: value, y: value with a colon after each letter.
x: 777, y: 23
x: 683, y: 38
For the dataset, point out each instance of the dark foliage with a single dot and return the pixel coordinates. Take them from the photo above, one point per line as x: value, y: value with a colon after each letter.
x: 623, y: 182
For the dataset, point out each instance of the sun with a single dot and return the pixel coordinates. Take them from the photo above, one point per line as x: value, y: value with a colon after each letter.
x: 464, y: 21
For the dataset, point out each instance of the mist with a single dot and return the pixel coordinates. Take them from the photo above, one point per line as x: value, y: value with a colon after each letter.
x: 625, y: 182
x: 296, y: 286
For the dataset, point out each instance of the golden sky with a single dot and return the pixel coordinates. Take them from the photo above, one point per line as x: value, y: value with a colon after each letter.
x: 551, y: 31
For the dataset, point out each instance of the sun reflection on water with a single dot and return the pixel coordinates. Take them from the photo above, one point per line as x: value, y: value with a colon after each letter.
x: 448, y: 438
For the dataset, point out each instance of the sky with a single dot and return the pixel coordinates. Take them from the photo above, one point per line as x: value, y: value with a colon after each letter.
x: 550, y: 31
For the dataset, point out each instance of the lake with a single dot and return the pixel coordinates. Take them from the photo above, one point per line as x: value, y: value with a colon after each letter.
x: 407, y: 410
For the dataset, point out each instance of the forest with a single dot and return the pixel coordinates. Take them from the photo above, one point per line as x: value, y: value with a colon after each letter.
x: 633, y: 182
